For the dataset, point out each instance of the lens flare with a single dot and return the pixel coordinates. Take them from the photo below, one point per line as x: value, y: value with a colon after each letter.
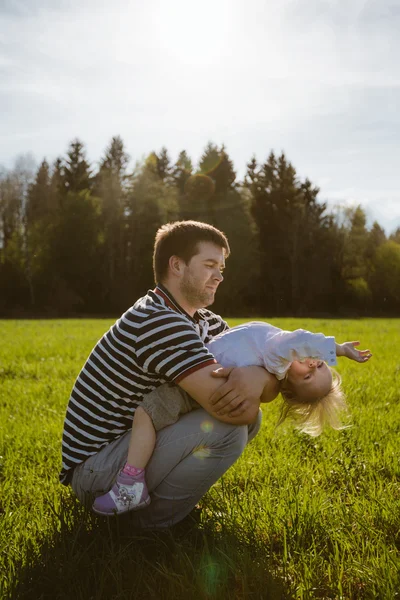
x: 202, y: 452
x: 207, y: 426
x: 213, y: 575
x: 199, y: 187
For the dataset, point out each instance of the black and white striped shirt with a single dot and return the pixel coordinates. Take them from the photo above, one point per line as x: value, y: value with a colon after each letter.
x: 153, y: 342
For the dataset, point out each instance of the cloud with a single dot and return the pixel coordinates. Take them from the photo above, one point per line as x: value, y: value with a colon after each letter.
x: 379, y: 205
x: 319, y: 79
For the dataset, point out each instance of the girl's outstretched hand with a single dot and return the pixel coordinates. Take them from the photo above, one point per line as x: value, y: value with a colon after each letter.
x: 349, y: 350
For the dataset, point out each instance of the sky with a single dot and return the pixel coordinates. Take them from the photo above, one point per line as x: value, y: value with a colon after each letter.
x: 317, y: 79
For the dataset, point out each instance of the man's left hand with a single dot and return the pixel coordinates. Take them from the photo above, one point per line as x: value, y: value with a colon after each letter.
x: 244, y: 387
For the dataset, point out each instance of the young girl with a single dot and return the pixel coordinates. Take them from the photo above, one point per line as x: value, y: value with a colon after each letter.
x: 310, y: 389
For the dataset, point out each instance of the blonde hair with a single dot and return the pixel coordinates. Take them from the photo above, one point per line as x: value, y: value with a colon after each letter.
x: 313, y: 417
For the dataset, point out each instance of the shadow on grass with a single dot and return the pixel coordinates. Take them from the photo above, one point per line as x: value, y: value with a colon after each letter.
x: 90, y: 558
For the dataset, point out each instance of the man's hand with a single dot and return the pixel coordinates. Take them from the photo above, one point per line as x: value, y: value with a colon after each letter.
x: 349, y: 350
x: 243, y: 388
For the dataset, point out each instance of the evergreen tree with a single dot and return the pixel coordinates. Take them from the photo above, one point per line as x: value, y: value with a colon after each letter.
x: 76, y: 254
x: 116, y: 159
x: 292, y: 228
x: 70, y: 241
x: 216, y: 164
x: 212, y: 196
x: 57, y: 182
x: 150, y: 203
x: 182, y: 171
x: 39, y: 195
x: 375, y: 238
x: 76, y: 240
x: 111, y: 188
x: 76, y: 171
x: 164, y: 168
x: 39, y: 216
x: 385, y: 281
x: 205, y: 196
x: 395, y: 236
x: 355, y: 265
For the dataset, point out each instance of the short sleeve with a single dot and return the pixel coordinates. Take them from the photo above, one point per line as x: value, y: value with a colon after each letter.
x: 168, y: 345
x: 215, y: 324
x: 286, y: 346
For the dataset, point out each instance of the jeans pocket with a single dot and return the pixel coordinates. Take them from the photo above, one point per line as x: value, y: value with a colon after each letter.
x: 95, y: 481
x: 88, y: 482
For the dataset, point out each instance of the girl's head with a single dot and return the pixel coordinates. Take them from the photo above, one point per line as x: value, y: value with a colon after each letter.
x: 312, y: 396
x: 309, y: 380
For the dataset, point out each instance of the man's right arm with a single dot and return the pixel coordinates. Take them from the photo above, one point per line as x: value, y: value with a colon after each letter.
x: 201, y: 385
x: 174, y: 348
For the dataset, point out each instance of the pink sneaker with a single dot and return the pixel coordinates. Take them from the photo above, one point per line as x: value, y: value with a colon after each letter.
x: 127, y: 493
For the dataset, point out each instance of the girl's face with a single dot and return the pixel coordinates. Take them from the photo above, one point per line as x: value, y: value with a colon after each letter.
x: 310, y: 379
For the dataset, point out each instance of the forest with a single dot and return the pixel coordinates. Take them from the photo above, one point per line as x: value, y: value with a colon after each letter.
x: 76, y: 239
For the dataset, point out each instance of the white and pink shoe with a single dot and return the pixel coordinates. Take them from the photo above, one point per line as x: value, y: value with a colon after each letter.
x: 127, y: 493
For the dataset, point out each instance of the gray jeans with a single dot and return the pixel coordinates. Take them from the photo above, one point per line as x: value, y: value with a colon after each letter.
x: 189, y: 457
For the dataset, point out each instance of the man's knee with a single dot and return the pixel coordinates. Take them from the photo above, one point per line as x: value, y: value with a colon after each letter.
x: 233, y: 441
x: 234, y: 438
x: 254, y: 428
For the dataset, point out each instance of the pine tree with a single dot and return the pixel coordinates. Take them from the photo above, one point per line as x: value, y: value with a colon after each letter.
x: 39, y: 216
x: 76, y: 172
x: 150, y: 203
x: 182, y: 171
x: 291, y: 224
x: 115, y: 159
x: 216, y: 164
x: 164, y: 168
x: 385, y: 280
x: 75, y: 244
x: 111, y: 188
x: 205, y: 192
x: 39, y: 195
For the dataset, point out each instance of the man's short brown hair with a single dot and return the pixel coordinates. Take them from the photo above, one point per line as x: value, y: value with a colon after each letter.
x: 181, y: 238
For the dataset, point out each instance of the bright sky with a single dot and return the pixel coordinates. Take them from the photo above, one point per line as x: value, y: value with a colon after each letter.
x: 319, y: 79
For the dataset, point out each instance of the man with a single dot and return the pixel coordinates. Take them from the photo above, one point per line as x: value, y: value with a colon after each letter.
x: 161, y: 339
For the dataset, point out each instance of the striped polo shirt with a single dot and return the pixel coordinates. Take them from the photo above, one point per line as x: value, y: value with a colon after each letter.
x: 154, y: 342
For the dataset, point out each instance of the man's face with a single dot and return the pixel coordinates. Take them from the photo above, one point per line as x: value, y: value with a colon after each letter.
x: 202, y: 275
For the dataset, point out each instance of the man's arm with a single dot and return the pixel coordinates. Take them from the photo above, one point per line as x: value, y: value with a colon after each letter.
x: 247, y: 388
x: 230, y: 398
x: 168, y: 356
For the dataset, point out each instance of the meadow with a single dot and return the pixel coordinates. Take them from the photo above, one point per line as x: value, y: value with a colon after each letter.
x: 295, y: 518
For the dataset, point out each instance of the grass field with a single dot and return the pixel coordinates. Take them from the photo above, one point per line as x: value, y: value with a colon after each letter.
x: 296, y: 517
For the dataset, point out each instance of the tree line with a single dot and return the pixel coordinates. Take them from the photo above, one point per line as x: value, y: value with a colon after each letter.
x: 78, y: 240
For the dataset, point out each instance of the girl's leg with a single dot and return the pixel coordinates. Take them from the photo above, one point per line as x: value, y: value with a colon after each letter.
x: 143, y: 440
x: 129, y: 492
x: 159, y: 409
x: 189, y: 457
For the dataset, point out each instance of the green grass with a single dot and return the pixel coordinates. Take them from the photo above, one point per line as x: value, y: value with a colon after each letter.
x: 296, y: 517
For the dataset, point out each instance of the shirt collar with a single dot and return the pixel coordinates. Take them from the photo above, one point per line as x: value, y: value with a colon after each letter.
x: 168, y: 298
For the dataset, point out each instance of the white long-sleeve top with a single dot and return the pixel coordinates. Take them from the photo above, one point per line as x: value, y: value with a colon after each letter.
x: 262, y: 344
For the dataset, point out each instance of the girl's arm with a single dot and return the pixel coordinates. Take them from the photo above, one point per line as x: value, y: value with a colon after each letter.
x: 284, y: 347
x: 349, y: 350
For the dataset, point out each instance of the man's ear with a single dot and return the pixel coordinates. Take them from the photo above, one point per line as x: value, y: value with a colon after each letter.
x: 176, y: 265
